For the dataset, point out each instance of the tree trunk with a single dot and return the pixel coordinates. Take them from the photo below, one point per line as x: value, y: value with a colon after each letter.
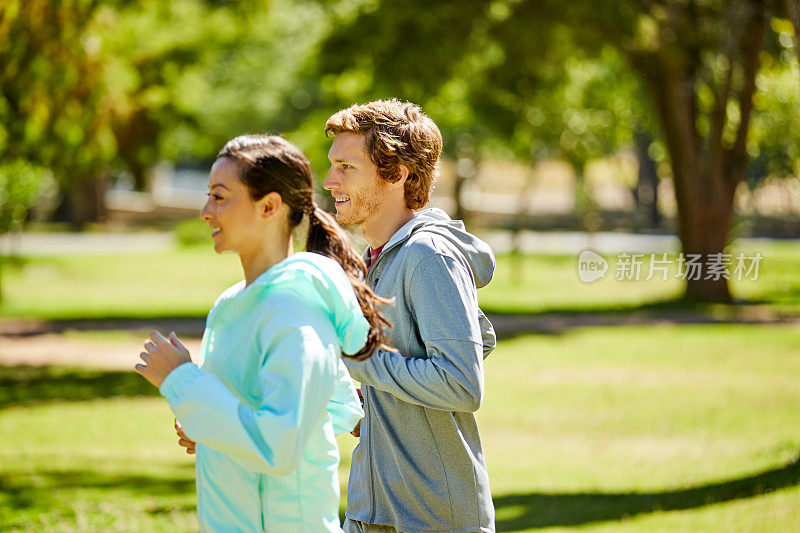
x: 85, y: 202
x: 703, y: 191
x: 458, y: 188
x: 466, y: 169
x: 703, y: 227
x: 705, y: 171
x: 646, y: 192
x: 793, y: 10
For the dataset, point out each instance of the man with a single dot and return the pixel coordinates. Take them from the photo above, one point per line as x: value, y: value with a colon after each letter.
x: 419, y: 466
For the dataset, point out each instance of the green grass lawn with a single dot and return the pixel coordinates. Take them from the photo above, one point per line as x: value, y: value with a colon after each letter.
x: 186, y: 281
x: 690, y: 428
x: 548, y: 283
x: 183, y: 282
x: 647, y: 428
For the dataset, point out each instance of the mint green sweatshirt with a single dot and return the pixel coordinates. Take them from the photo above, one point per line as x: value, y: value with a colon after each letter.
x: 268, y: 397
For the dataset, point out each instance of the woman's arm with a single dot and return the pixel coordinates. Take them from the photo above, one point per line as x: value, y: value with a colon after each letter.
x: 344, y: 407
x: 296, y: 380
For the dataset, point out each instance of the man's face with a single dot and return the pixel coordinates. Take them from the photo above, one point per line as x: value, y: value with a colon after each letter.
x: 353, y: 180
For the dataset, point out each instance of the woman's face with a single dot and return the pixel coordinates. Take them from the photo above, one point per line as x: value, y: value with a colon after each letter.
x: 230, y: 211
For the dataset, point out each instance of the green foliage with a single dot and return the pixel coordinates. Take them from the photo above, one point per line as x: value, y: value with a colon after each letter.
x: 774, y: 144
x: 502, y: 79
x: 199, y: 73
x: 191, y: 232
x: 96, y: 88
x: 21, y: 185
x: 92, y: 88
x: 54, y: 110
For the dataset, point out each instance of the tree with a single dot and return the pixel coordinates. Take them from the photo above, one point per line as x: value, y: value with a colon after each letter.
x: 91, y: 88
x: 21, y: 185
x: 495, y: 87
x: 697, y: 60
x: 198, y: 73
x: 54, y: 111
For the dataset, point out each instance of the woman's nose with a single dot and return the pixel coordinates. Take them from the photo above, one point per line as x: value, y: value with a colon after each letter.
x: 205, y: 213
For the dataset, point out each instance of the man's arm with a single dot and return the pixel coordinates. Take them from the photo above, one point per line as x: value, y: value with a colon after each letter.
x: 442, y: 296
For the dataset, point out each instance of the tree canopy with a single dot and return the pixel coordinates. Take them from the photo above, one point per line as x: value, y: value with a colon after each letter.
x: 91, y: 89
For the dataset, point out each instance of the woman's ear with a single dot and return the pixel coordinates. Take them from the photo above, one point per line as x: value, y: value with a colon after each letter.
x: 269, y: 205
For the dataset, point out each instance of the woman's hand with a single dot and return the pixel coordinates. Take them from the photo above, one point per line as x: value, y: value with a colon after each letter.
x: 183, y: 440
x: 161, y: 357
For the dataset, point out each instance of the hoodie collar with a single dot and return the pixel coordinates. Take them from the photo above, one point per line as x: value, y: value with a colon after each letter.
x: 420, y: 218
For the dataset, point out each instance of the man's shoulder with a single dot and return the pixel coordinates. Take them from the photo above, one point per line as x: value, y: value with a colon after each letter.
x: 427, y: 254
x: 424, y: 244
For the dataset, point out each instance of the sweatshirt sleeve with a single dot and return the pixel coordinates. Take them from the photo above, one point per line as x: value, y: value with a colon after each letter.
x: 443, y: 299
x: 344, y: 406
x: 297, y: 380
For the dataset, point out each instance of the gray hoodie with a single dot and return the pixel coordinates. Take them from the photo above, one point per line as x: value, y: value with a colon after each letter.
x: 419, y: 465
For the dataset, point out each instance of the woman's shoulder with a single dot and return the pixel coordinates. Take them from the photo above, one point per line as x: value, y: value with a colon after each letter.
x: 314, y: 263
x: 229, y: 293
x: 306, y: 270
x: 294, y: 280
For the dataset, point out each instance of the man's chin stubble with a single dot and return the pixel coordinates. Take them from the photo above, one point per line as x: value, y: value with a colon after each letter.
x: 346, y: 221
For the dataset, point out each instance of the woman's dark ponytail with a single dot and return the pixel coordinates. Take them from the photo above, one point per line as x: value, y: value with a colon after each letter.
x: 270, y: 163
x: 326, y: 237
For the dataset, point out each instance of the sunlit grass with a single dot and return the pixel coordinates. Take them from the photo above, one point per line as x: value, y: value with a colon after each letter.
x: 648, y: 428
x: 595, y: 425
x: 185, y: 282
x: 542, y: 283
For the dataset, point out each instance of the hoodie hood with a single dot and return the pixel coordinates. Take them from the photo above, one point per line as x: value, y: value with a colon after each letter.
x: 434, y: 220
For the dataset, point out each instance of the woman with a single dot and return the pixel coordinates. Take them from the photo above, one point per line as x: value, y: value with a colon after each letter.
x: 270, y: 391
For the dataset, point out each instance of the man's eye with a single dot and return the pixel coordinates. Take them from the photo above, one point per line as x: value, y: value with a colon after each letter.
x: 345, y: 166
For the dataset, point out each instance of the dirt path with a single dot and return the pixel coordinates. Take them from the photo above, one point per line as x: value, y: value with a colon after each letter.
x: 57, y: 349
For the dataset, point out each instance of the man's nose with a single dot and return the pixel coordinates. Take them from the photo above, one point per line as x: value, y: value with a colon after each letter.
x: 329, y: 182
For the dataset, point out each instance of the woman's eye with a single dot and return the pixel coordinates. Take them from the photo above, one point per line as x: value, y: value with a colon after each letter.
x: 215, y: 197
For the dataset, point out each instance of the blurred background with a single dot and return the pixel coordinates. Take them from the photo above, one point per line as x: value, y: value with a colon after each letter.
x: 653, y: 127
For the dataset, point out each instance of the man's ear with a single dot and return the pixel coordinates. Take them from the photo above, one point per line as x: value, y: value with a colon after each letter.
x: 402, y: 175
x: 269, y: 205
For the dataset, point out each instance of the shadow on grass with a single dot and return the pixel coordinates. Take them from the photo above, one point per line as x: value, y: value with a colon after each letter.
x: 535, y: 510
x: 508, y: 323
x: 21, y: 491
x: 26, y: 385
x: 27, y: 327
x: 24, y: 494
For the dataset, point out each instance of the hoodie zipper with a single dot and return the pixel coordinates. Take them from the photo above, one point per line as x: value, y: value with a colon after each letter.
x: 369, y: 427
x: 370, y: 277
x: 373, y: 507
